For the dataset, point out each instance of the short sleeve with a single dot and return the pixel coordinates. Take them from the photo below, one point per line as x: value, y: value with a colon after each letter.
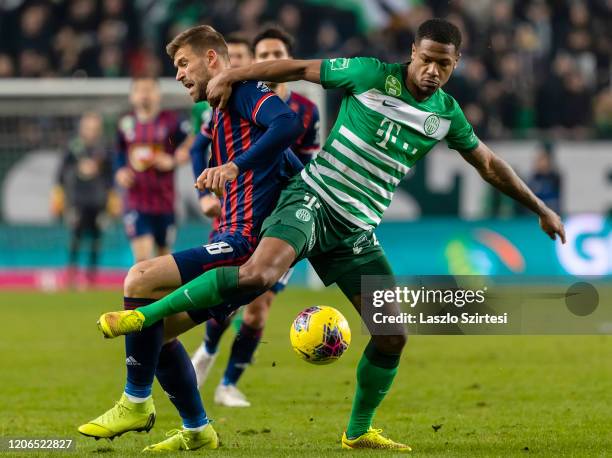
x: 461, y: 136
x: 356, y: 74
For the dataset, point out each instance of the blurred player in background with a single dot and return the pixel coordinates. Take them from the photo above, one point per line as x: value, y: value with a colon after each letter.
x: 145, y: 164
x: 271, y: 44
x: 83, y: 190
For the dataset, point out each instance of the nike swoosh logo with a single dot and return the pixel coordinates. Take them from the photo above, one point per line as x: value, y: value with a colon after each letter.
x: 387, y: 104
x: 186, y: 293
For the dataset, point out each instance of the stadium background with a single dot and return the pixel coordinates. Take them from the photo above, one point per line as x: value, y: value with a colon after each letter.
x: 534, y: 76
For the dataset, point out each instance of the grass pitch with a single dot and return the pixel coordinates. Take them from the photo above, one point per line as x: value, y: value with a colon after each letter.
x: 453, y: 396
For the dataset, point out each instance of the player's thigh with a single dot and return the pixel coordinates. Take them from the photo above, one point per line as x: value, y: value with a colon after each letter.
x: 153, y: 278
x: 270, y: 260
x: 256, y: 312
x: 175, y: 325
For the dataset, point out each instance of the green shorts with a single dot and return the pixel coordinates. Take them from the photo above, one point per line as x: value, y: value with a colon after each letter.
x: 332, y: 245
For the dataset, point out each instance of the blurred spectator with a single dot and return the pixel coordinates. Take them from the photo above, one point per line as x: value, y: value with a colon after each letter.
x: 7, y: 68
x: 603, y: 114
x: 545, y: 181
x: 524, y: 49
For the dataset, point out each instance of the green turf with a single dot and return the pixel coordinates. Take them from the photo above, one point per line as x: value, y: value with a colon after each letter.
x: 488, y: 396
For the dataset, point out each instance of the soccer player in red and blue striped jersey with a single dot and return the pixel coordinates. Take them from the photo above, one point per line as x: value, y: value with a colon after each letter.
x: 250, y: 164
x: 270, y: 44
x: 145, y: 163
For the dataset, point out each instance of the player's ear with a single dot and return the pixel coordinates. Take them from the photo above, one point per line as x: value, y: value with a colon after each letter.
x: 211, y: 57
x: 413, y: 52
x: 457, y: 60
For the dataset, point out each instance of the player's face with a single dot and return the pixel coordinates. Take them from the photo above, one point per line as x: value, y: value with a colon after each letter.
x: 239, y: 54
x: 145, y: 95
x: 193, y: 70
x: 90, y: 128
x: 271, y: 49
x: 431, y: 65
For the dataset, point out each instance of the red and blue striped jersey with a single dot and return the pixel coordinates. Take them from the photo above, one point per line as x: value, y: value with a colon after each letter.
x: 251, y: 197
x: 308, y: 143
x: 138, y: 144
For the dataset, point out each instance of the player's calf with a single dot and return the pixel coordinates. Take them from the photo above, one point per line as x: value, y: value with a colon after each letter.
x: 256, y: 313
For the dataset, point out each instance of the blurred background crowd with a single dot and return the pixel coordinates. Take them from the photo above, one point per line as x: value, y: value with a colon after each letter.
x: 527, y: 64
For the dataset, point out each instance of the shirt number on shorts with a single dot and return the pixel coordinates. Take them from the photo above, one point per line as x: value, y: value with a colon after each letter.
x: 218, y: 248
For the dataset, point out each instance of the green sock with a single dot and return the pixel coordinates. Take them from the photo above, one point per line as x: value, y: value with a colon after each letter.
x: 209, y: 289
x: 375, y: 374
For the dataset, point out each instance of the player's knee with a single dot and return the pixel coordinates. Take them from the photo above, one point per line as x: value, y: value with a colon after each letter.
x: 136, y: 283
x: 391, y: 344
x: 256, y: 278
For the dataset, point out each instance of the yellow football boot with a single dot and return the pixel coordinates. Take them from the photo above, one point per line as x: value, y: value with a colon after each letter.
x: 182, y: 439
x: 114, y: 324
x: 125, y: 416
x: 373, y: 439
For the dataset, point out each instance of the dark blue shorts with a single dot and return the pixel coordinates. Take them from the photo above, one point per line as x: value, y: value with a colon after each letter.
x: 161, y: 227
x: 224, y: 250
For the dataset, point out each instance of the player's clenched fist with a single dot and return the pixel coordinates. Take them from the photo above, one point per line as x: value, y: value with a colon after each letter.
x: 215, y: 178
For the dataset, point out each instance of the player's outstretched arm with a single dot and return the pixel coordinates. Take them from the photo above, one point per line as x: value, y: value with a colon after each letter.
x: 219, y: 88
x: 499, y: 174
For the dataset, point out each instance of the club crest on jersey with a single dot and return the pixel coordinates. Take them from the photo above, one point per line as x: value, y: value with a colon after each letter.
x: 339, y: 63
x: 127, y: 126
x: 262, y: 86
x: 303, y: 215
x: 432, y: 122
x: 393, y: 86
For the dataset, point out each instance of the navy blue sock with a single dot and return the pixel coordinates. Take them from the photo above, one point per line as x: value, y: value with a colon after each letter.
x: 177, y: 377
x: 214, y: 331
x: 142, y: 352
x: 243, y: 349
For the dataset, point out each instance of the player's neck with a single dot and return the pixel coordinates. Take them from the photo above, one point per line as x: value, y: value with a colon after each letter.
x: 282, y: 90
x: 146, y: 115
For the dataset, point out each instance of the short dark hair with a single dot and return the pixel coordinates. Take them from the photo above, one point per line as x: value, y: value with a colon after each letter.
x: 200, y: 37
x: 277, y: 33
x: 238, y: 38
x: 440, y: 31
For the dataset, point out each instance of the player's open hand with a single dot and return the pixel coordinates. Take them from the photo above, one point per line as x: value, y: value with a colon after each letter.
x: 125, y: 177
x: 218, y: 90
x: 551, y: 223
x: 215, y: 178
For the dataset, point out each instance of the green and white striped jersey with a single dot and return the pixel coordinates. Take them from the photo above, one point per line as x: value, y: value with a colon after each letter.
x: 380, y: 132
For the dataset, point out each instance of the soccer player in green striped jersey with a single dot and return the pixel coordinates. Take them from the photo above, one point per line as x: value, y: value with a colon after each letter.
x: 391, y: 116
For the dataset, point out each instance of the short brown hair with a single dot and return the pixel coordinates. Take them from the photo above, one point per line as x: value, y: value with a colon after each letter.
x: 199, y: 38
